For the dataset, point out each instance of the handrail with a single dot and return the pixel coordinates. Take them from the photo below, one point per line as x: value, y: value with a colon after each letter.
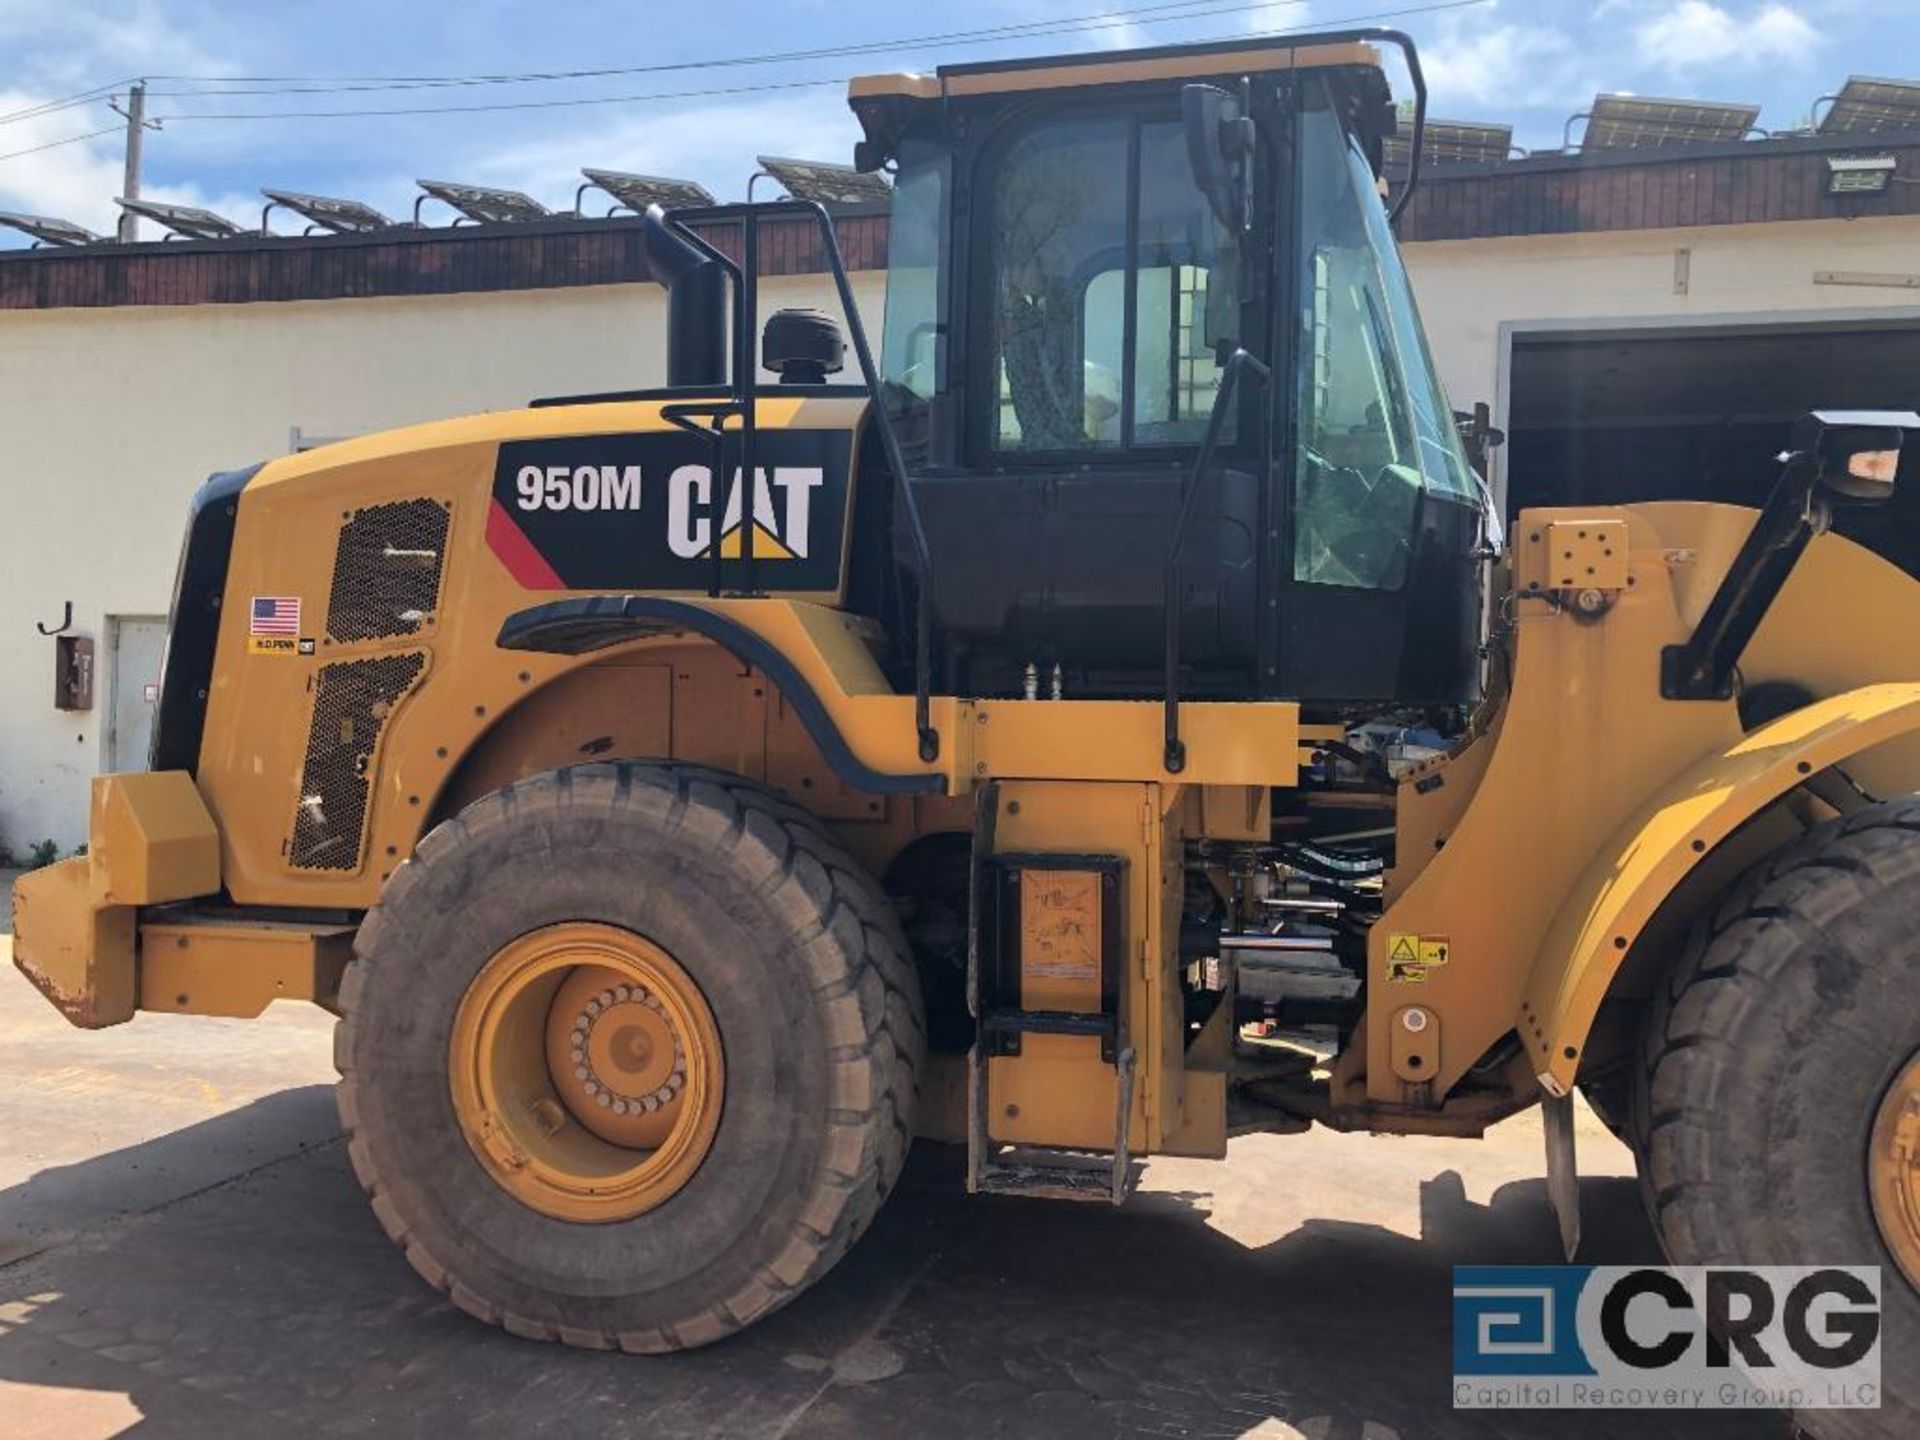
x: 1237, y: 364
x: 1404, y: 43
x: 746, y: 394
x: 1412, y: 57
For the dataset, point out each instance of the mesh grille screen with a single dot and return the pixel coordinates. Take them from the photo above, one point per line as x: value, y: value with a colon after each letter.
x: 351, y: 702
x: 386, y: 573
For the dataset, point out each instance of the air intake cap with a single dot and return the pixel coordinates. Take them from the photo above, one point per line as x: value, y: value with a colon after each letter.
x: 802, y: 346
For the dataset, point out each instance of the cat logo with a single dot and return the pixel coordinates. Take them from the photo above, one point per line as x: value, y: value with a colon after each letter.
x: 780, y: 524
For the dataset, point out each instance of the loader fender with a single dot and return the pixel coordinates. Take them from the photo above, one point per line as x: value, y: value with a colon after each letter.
x: 594, y: 623
x: 1655, y: 849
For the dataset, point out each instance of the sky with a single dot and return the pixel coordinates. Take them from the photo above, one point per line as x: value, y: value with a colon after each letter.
x: 1531, y: 63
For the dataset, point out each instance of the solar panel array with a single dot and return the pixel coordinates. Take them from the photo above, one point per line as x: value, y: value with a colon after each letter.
x: 47, y: 229
x: 188, y: 221
x: 483, y: 203
x: 1637, y: 122
x: 824, y: 182
x: 343, y: 217
x: 1451, y: 142
x: 637, y: 192
x: 1866, y: 106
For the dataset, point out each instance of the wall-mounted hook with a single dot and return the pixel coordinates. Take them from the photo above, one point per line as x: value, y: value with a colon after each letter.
x: 66, y: 622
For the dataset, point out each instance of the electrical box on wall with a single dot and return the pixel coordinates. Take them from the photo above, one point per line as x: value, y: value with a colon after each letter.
x: 73, y: 672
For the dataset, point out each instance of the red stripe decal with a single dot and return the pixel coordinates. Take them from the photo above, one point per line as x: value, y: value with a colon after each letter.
x: 526, y: 564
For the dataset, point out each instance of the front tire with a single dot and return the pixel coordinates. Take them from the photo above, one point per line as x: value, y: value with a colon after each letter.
x: 1771, y: 1082
x: 772, y: 1046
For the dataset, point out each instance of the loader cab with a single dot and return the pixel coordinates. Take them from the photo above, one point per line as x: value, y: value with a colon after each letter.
x: 1067, y: 276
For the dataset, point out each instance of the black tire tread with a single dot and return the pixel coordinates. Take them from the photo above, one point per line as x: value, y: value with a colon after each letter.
x: 872, y: 1001
x: 1683, y: 1052
x: 1704, y: 1056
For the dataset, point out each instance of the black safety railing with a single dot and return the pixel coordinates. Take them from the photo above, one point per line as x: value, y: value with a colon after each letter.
x: 742, y: 403
x: 1238, y: 364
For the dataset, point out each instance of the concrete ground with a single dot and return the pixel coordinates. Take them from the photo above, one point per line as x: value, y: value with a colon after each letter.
x: 183, y: 1252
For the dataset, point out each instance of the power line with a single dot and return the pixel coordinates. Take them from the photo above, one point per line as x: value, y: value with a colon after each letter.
x: 711, y: 92
x: 1107, y: 19
x: 502, y: 104
x: 49, y: 107
x: 55, y: 144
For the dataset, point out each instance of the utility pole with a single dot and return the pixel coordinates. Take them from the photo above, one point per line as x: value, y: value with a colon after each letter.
x: 137, y: 126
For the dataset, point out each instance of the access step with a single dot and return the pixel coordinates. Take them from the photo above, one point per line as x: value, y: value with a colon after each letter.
x: 1040, y: 1171
x: 1059, y: 1174
x: 1002, y: 1028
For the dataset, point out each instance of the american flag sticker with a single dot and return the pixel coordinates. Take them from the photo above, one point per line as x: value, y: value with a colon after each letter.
x: 275, y: 615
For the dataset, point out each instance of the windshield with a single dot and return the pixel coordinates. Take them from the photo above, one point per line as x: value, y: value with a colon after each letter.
x: 1374, y: 425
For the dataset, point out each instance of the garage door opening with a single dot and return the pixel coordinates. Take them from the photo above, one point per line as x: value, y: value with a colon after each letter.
x: 1608, y: 417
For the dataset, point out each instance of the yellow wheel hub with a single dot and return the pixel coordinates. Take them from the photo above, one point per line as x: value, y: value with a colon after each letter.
x: 1893, y: 1169
x: 586, y: 1072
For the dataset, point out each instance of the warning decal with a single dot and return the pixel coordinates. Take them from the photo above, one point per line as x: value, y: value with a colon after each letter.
x: 1411, y: 958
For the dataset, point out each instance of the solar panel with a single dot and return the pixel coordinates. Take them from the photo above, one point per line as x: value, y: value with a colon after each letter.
x: 343, y: 217
x: 1866, y: 106
x: 636, y: 192
x: 1451, y: 142
x: 825, y: 182
x: 184, y: 220
x: 48, y: 230
x: 482, y: 202
x: 1636, y: 122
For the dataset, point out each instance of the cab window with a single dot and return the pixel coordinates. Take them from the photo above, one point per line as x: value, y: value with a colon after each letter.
x: 1103, y: 254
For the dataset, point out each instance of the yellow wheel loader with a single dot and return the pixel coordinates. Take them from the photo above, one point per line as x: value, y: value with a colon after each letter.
x: 1113, y: 722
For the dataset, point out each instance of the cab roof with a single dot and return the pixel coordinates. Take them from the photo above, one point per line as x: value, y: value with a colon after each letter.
x: 1167, y: 62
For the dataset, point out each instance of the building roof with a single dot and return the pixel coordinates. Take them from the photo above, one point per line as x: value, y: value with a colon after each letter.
x: 523, y: 255
x: 1744, y: 182
x: 1732, y: 183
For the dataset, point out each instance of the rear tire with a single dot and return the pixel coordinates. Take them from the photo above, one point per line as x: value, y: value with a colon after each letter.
x: 798, y: 957
x: 1767, y: 1057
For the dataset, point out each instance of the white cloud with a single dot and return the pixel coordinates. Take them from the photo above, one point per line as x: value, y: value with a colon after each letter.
x: 61, y: 48
x: 1504, y: 66
x: 1281, y: 15
x: 1697, y: 33
x: 78, y: 182
x: 1124, y: 36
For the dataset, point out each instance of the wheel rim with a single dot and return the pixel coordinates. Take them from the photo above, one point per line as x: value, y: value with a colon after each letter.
x: 586, y: 1072
x: 1894, y: 1170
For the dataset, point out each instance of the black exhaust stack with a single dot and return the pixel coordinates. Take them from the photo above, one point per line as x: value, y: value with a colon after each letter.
x: 696, y: 304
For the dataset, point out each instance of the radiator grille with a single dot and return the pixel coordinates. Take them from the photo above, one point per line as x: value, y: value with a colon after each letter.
x: 351, y: 703
x: 386, y: 572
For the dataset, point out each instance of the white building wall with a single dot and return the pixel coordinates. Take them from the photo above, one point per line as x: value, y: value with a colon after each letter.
x: 110, y: 419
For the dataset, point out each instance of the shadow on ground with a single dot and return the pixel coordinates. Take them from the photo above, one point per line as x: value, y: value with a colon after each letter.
x: 273, y: 1304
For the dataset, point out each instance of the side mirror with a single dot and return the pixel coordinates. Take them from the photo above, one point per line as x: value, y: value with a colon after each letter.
x: 1858, y: 451
x: 1220, y: 143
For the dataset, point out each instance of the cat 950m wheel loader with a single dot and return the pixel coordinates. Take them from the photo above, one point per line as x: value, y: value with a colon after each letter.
x: 1113, y: 722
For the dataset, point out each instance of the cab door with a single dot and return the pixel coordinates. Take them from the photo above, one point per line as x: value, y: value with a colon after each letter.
x: 1101, y: 285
